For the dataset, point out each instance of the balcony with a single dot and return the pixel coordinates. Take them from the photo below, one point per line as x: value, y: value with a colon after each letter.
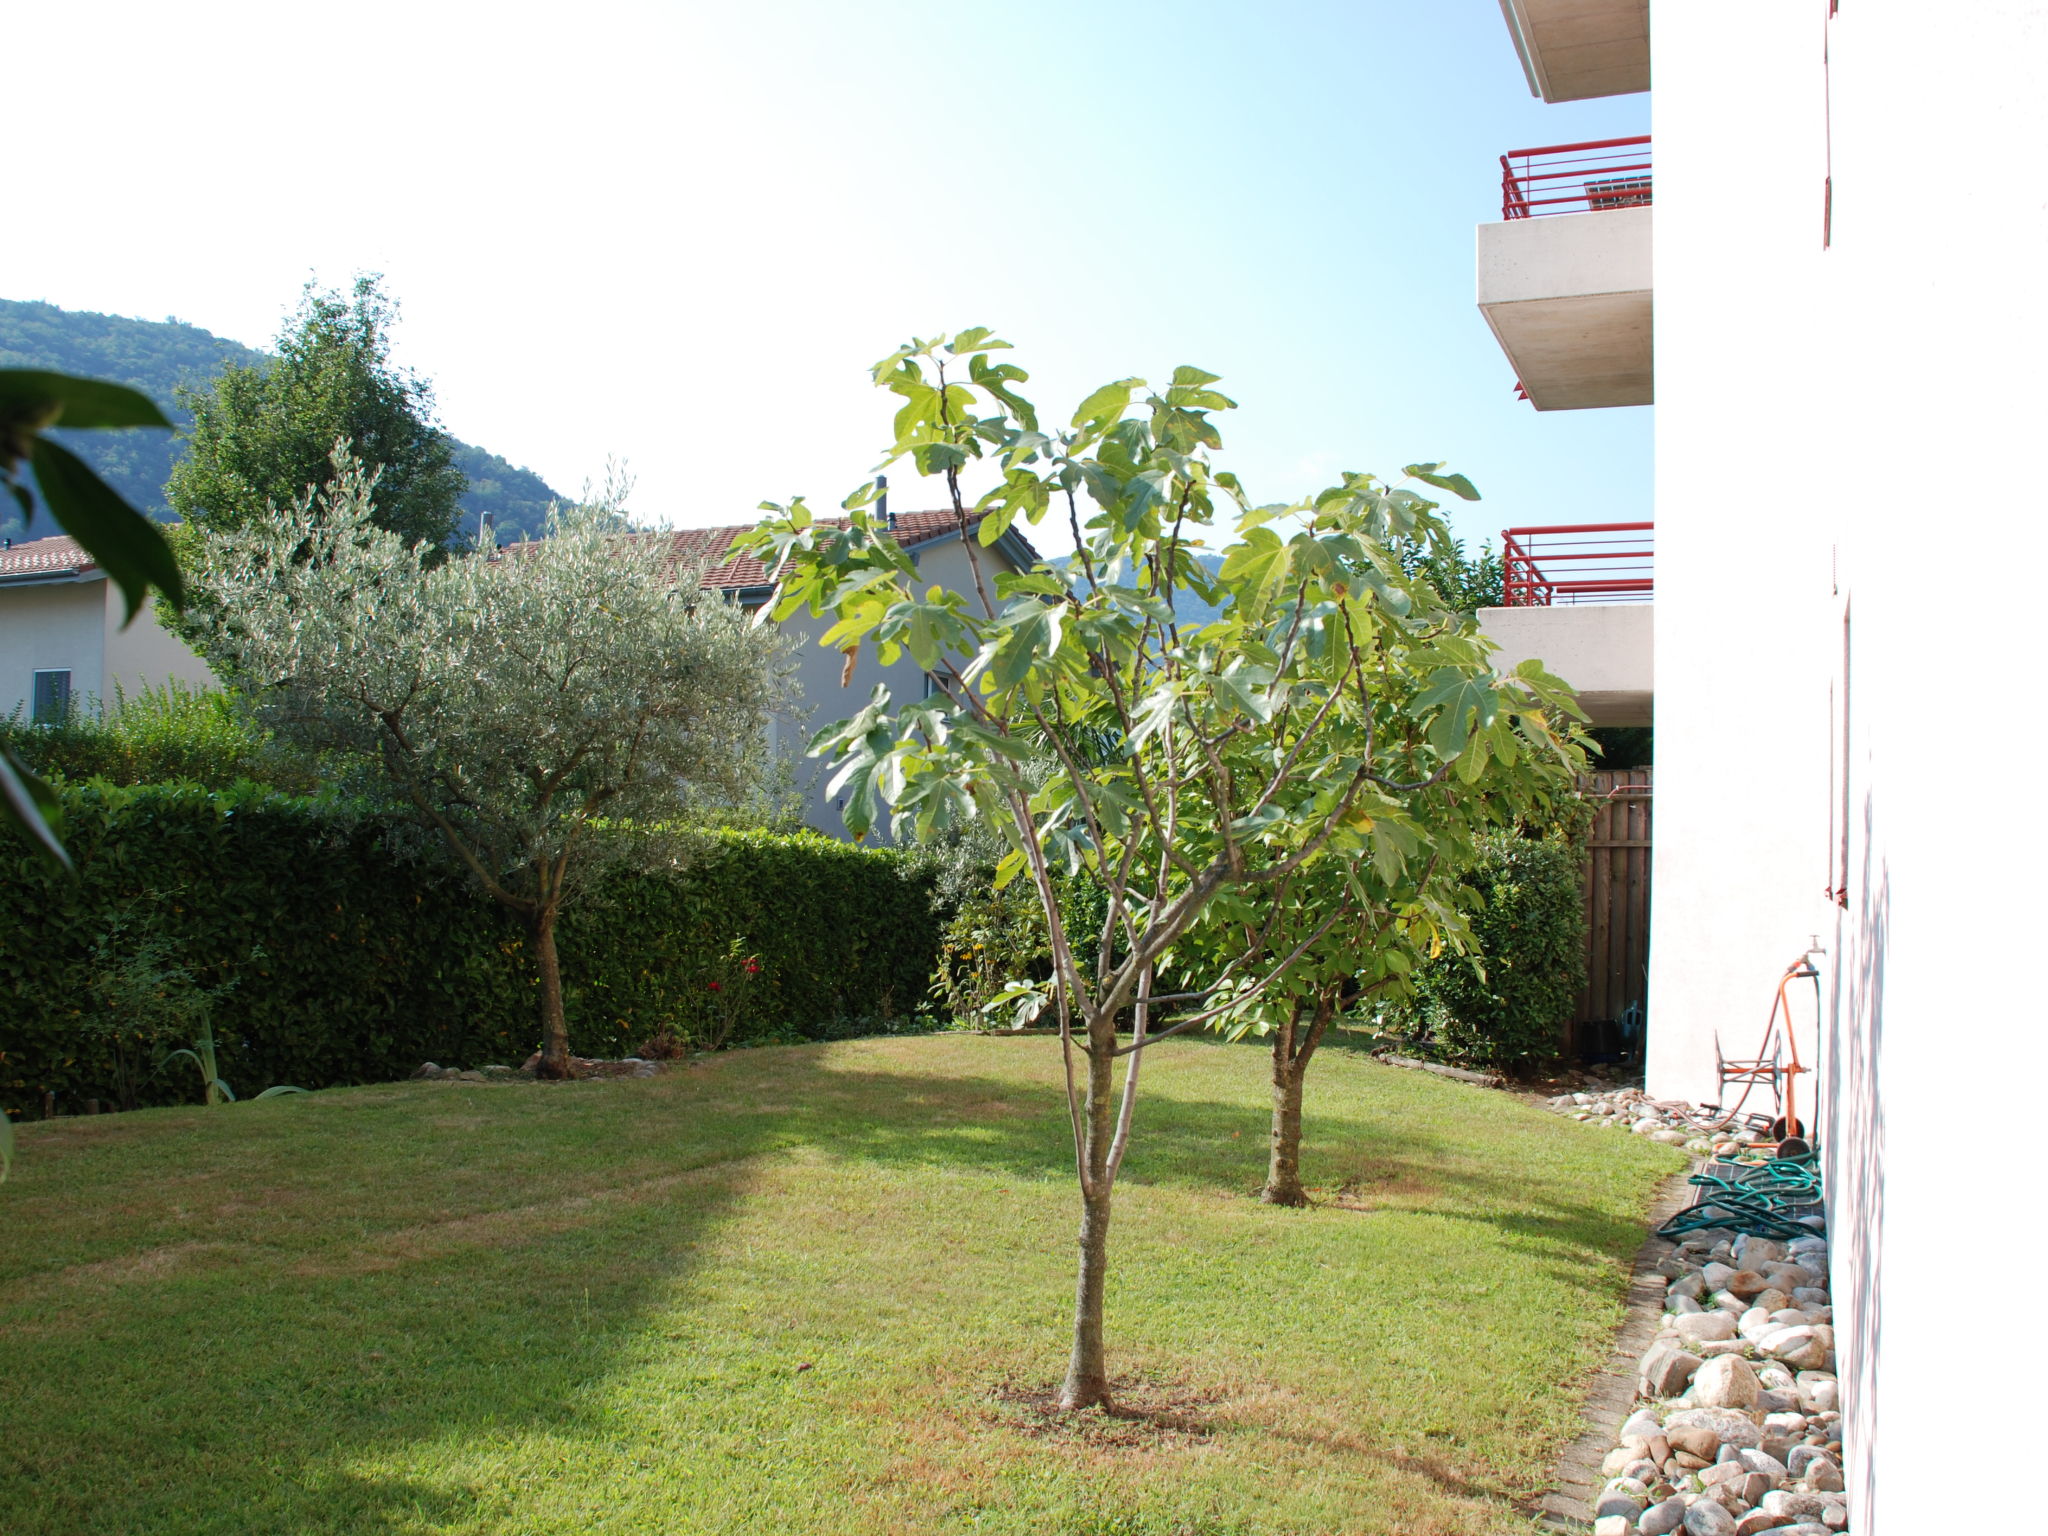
x: 1578, y: 599
x: 1572, y: 50
x: 1571, y: 563
x: 1564, y: 277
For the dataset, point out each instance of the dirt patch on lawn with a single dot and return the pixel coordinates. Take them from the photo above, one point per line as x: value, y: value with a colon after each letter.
x: 1149, y: 1415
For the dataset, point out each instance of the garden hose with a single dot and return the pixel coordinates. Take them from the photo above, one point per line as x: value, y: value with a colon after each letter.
x: 1761, y: 1200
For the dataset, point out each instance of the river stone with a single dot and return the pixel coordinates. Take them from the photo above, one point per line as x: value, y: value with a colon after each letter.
x: 1755, y: 1522
x: 1818, y: 1391
x: 1760, y: 1252
x: 1665, y: 1370
x: 1692, y: 1285
x: 1770, y: 1466
x: 1669, y: 1138
x: 1790, y: 1425
x: 1663, y: 1518
x: 1721, y: 1472
x: 1720, y: 1347
x: 1823, y: 1476
x: 1617, y: 1461
x: 1612, y: 1525
x: 1775, y: 1400
x: 1641, y: 1424
x: 1803, y: 1348
x: 1809, y: 1296
x: 1790, y: 1317
x: 1788, y: 1501
x: 1802, y: 1457
x: 1705, y: 1327
x: 1727, y: 1426
x: 1725, y: 1382
x: 1626, y: 1505
x: 1684, y: 1306
x: 1716, y: 1276
x: 1753, y: 1323
x: 1772, y: 1374
x: 1706, y: 1518
x: 1771, y: 1299
x: 1729, y: 1302
x: 1746, y: 1283
x: 1792, y: 1277
x: 1696, y: 1440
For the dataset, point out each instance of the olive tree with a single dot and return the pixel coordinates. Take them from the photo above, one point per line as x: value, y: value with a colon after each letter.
x: 1195, y: 772
x: 510, y: 699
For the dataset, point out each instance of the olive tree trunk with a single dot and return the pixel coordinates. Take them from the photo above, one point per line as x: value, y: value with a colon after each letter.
x: 554, y: 1023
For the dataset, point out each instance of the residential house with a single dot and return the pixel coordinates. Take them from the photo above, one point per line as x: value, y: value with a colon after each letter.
x: 62, y: 642
x: 1846, y: 303
x: 826, y: 691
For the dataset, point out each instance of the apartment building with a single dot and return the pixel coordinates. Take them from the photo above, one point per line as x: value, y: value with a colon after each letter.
x: 1826, y: 266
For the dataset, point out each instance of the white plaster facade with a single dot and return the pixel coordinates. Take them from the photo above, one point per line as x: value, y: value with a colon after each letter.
x: 58, y: 612
x: 1852, y: 232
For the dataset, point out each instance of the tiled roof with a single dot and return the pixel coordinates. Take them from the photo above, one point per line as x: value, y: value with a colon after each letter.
x: 45, y: 557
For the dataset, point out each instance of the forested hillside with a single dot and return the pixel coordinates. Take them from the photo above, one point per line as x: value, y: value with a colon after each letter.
x: 156, y: 356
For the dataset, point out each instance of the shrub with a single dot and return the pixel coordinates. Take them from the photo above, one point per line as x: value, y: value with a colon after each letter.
x: 172, y: 734
x: 332, y: 955
x: 1530, y: 924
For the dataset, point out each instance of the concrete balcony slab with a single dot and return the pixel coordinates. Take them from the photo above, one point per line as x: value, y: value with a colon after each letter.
x: 1573, y: 50
x: 1606, y: 651
x: 1569, y: 300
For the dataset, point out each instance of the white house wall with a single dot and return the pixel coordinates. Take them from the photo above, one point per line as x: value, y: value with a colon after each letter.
x: 825, y: 700
x: 145, y: 654
x: 1828, y: 424
x: 51, y: 626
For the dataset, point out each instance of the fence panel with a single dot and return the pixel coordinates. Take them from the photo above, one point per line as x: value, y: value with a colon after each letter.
x: 1617, y: 894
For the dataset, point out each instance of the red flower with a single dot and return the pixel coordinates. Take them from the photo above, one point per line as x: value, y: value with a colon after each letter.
x: 714, y: 986
x: 753, y: 967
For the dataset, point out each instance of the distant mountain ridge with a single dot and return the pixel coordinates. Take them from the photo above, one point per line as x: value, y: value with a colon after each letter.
x: 156, y: 356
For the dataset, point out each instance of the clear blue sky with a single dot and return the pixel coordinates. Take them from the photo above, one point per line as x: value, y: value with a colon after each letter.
x: 678, y: 232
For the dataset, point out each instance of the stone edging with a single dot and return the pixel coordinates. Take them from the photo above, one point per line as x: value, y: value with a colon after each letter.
x: 1612, y: 1391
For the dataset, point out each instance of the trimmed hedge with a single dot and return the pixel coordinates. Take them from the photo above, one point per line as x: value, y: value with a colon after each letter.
x: 352, y: 962
x: 1530, y: 922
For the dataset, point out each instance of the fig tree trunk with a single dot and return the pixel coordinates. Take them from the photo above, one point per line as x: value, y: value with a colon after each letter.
x: 1087, y: 1383
x: 1293, y: 1046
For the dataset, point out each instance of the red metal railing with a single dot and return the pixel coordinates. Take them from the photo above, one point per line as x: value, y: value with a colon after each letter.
x: 1577, y: 563
x: 1575, y: 178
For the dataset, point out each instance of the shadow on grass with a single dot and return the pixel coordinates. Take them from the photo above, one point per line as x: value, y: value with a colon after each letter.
x: 423, y: 1266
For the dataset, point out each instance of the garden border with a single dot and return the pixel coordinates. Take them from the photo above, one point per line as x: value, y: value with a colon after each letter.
x: 1577, y: 1476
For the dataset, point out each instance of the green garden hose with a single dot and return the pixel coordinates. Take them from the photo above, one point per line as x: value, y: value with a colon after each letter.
x: 1762, y: 1201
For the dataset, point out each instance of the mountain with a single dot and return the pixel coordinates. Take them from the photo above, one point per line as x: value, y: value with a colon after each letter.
x: 156, y: 356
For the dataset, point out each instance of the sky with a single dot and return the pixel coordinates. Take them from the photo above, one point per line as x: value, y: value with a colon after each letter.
x: 676, y: 234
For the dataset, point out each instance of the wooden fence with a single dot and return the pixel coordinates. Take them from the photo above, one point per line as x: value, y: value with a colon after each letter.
x: 1617, y: 895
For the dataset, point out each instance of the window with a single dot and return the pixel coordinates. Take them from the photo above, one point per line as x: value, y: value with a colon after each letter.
x: 52, y: 698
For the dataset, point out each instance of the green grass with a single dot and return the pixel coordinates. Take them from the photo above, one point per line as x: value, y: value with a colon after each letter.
x: 432, y: 1307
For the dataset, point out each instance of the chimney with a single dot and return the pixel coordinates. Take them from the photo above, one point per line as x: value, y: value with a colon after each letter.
x: 882, y: 503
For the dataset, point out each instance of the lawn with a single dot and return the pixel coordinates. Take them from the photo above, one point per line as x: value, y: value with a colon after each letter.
x: 811, y: 1289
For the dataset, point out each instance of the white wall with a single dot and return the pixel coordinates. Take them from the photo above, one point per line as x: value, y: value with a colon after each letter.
x: 76, y: 625
x: 825, y: 700
x: 144, y: 654
x: 55, y: 625
x: 1827, y: 421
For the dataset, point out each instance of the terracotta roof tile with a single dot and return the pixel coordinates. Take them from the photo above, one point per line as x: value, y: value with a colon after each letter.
x: 45, y: 557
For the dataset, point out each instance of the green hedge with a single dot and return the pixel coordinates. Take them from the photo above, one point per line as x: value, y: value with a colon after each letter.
x: 351, y: 962
x: 1531, y: 926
